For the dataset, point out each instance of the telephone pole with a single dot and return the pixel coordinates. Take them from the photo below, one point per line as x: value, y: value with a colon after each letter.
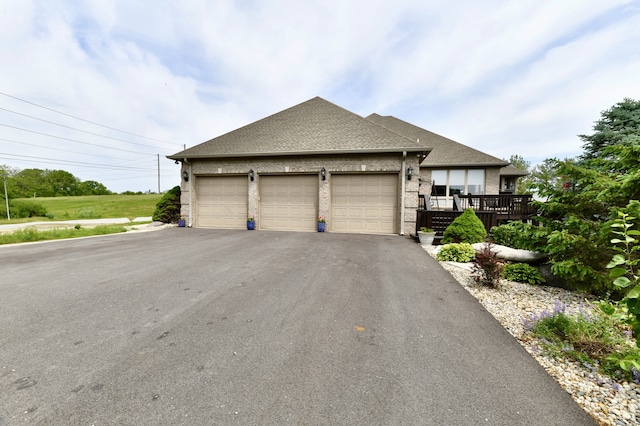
x: 158, y: 173
x: 6, y: 197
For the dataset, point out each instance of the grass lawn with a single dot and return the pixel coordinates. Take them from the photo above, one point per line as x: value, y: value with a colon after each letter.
x: 31, y: 234
x: 93, y: 207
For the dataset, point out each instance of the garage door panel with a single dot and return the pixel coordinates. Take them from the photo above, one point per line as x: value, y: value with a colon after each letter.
x: 288, y: 202
x: 364, y: 203
x: 221, y: 201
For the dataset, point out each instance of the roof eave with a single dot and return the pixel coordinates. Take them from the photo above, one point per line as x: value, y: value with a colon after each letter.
x: 443, y: 165
x: 420, y: 150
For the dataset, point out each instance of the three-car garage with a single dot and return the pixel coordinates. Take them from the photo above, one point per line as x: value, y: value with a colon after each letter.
x: 358, y: 203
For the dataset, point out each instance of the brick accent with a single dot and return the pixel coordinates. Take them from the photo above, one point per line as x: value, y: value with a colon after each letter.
x: 370, y: 163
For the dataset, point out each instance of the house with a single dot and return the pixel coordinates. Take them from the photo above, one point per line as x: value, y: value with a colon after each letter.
x: 317, y: 159
x: 453, y: 168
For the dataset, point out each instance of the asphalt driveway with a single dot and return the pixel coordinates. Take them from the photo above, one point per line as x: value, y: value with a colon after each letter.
x: 202, y: 327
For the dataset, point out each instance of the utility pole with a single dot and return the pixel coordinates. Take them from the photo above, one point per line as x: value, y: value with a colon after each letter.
x: 158, y: 173
x: 6, y: 197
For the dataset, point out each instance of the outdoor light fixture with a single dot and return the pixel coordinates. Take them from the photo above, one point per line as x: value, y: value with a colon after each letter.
x: 323, y: 173
x: 419, y: 181
x: 177, y: 162
x: 409, y: 173
x: 251, y: 175
x: 185, y: 176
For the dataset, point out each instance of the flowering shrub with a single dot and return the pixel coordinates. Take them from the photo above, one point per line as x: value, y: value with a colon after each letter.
x: 588, y: 336
x: 321, y: 219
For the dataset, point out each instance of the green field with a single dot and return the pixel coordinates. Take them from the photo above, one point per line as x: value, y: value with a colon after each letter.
x: 93, y: 207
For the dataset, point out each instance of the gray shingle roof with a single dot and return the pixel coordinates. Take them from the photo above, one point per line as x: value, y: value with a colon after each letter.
x: 512, y: 171
x: 445, y: 153
x: 312, y: 127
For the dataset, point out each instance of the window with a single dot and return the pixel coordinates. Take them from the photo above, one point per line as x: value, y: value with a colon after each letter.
x: 439, y: 178
x: 447, y: 183
x: 456, y: 182
x: 475, y: 182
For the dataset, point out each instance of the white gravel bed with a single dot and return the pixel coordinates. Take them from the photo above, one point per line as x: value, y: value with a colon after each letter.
x: 607, y: 401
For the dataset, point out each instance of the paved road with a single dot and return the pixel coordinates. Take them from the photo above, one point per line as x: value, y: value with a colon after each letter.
x: 202, y: 327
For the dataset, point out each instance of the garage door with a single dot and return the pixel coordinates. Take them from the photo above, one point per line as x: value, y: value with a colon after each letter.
x: 288, y: 203
x: 364, y: 203
x: 221, y: 202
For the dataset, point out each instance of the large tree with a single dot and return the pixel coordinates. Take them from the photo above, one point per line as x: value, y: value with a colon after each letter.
x: 587, y: 193
x: 62, y: 183
x: 48, y: 183
x: 617, y: 126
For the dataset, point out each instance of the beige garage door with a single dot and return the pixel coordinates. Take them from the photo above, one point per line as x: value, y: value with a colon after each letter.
x: 288, y: 203
x: 364, y: 203
x: 221, y: 202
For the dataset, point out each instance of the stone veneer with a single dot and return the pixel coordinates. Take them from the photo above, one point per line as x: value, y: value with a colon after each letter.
x: 369, y: 163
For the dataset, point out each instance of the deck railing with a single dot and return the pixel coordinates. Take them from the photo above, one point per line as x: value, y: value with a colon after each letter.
x: 490, y: 209
x: 504, y: 204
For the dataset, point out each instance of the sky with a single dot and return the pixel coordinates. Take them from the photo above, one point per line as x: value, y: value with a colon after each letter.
x: 106, y: 89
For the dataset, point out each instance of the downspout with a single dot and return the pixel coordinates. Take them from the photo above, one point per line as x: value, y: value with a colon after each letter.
x: 190, y: 194
x: 402, y: 194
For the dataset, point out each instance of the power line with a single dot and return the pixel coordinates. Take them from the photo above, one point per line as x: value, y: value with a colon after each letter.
x: 64, y: 150
x: 86, y: 121
x: 78, y: 130
x: 70, y: 162
x: 74, y: 140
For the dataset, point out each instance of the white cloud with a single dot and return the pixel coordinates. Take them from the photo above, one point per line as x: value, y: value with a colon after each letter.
x: 504, y: 77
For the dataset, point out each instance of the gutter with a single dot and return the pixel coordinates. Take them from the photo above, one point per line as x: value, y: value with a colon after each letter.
x: 181, y: 156
x: 402, y: 192
x: 190, y: 223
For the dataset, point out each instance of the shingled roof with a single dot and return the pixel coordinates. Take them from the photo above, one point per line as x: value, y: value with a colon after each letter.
x: 312, y: 127
x: 512, y: 171
x: 445, y: 152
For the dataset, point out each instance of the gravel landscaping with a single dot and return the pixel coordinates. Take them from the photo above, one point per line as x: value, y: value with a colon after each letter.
x: 607, y: 401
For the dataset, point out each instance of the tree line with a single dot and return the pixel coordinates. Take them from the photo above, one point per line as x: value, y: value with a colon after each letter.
x: 29, y: 183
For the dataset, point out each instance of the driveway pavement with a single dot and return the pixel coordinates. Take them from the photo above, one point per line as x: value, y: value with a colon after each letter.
x: 201, y: 327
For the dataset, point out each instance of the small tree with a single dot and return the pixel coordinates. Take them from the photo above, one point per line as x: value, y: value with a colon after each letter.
x: 466, y: 228
x: 168, y: 208
x: 487, y: 268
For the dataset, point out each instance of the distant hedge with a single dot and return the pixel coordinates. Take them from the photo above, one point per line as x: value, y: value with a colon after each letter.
x: 168, y: 208
x: 22, y: 209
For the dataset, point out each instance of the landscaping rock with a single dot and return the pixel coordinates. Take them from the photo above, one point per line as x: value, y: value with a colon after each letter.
x: 514, y: 255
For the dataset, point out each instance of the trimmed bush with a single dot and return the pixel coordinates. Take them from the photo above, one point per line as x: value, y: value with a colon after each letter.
x: 522, y: 273
x: 168, y: 208
x: 466, y: 228
x: 454, y: 252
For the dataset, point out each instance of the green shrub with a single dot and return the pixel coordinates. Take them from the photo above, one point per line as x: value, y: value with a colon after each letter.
x: 519, y: 235
x: 589, y: 336
x: 487, y: 267
x: 522, y: 273
x: 22, y: 209
x: 168, y: 208
x: 466, y: 228
x: 456, y: 252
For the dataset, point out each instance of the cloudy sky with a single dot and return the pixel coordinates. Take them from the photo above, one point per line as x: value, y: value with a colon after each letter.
x: 102, y: 88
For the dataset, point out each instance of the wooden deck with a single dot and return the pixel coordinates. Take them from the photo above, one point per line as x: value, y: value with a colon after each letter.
x: 490, y: 209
